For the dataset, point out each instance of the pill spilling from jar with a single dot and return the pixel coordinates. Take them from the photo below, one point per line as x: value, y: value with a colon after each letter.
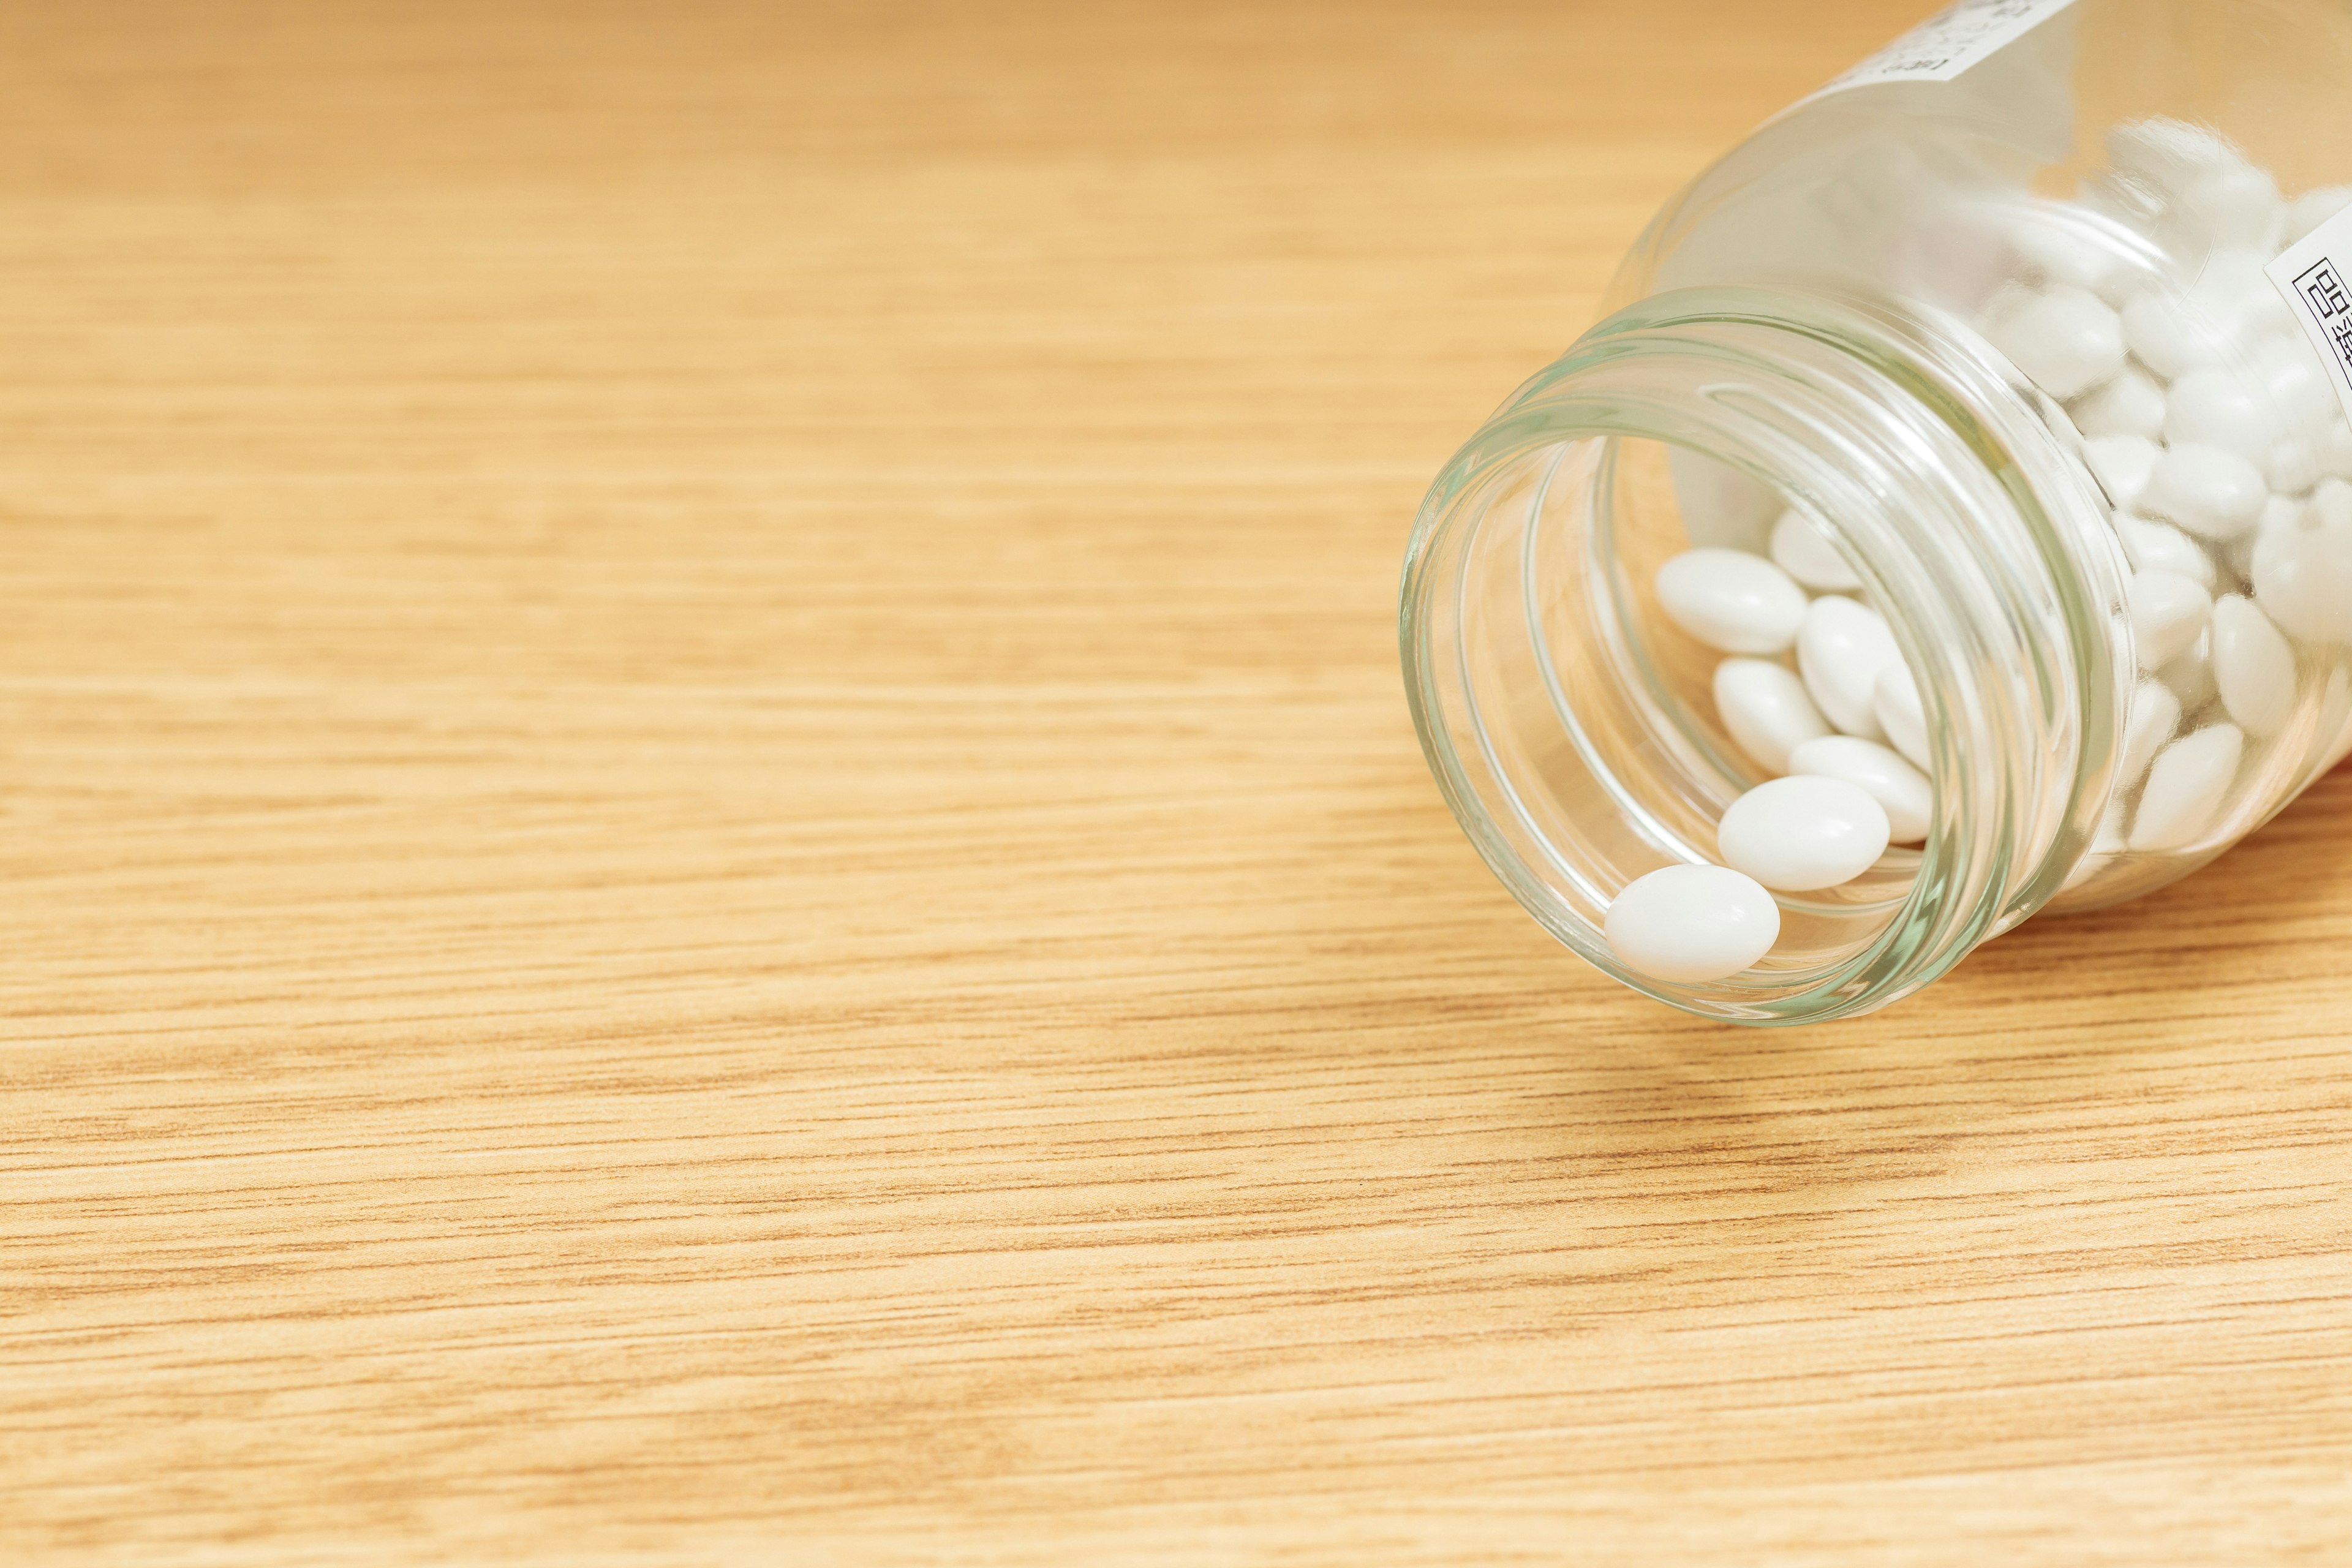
x: 1953, y: 521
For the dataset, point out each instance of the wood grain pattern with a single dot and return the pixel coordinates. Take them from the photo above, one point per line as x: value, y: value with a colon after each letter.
x: 711, y: 852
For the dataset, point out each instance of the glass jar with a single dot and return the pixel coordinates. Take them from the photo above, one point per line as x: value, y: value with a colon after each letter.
x: 1988, y: 337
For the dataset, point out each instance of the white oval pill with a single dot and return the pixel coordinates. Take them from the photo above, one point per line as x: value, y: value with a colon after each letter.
x: 2052, y: 245
x: 2065, y: 340
x: 2123, y: 464
x: 2303, y: 572
x: 1766, y: 709
x: 2186, y: 788
x: 1900, y: 789
x: 1799, y: 548
x: 2286, y: 371
x: 2168, y: 612
x: 2279, y: 511
x: 2211, y: 493
x: 1841, y: 649
x: 1795, y: 835
x: 2155, y: 715
x: 2170, y: 336
x: 2232, y: 271
x: 2160, y: 547
x: 2292, y: 467
x: 2232, y: 204
x: 1894, y: 703
x: 2191, y: 675
x: 2252, y: 665
x: 2234, y: 288
x: 2215, y: 407
x: 1691, y: 924
x: 2131, y: 404
x: 1731, y: 601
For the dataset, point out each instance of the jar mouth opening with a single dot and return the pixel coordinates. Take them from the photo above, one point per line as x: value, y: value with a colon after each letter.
x: 1573, y: 739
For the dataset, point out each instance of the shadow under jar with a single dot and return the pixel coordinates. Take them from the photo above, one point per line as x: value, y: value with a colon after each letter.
x: 1983, y: 409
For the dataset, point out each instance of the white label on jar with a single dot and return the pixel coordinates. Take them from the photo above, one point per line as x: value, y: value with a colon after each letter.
x: 2314, y: 273
x: 1948, y: 43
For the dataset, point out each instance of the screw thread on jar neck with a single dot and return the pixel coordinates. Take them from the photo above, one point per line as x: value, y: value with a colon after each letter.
x: 1575, y: 747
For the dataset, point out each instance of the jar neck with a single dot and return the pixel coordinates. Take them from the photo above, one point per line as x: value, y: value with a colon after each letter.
x: 1577, y: 760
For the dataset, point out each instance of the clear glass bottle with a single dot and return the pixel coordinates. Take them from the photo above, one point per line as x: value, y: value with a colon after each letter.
x: 1872, y: 317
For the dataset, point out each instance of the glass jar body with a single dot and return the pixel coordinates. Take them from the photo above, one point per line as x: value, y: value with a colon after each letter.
x: 2003, y: 351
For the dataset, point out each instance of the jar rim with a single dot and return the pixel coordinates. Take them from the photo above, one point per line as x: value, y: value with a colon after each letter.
x: 1970, y: 526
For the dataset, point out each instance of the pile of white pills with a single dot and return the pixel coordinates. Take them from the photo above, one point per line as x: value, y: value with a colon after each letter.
x: 2207, y: 421
x: 1843, y: 792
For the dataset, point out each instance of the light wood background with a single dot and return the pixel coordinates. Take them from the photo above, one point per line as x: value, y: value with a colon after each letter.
x: 711, y: 853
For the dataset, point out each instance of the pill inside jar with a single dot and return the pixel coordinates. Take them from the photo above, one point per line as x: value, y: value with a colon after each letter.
x: 1949, y: 523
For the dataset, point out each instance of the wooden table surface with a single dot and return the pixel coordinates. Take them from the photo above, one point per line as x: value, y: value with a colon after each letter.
x: 711, y: 851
